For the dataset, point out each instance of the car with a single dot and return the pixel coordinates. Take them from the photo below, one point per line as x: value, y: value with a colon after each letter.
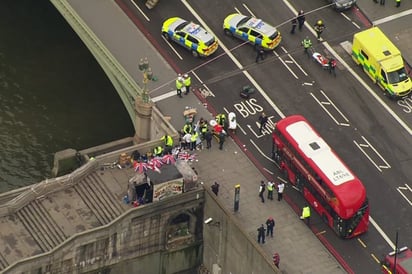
x: 190, y: 36
x: 253, y: 30
x: 341, y: 5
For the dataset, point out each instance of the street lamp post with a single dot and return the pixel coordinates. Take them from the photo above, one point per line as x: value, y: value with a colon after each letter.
x: 147, y: 76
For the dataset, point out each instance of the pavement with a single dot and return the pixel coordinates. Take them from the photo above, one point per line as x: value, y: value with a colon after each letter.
x: 301, y: 250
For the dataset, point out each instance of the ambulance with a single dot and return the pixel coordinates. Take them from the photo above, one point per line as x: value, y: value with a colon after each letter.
x: 382, y: 62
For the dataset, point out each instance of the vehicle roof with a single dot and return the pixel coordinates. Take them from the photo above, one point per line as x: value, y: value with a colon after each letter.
x: 332, y: 170
x: 192, y: 28
x: 376, y: 43
x: 197, y: 31
x: 260, y: 26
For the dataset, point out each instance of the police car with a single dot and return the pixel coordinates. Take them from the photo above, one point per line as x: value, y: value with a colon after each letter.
x: 189, y: 35
x: 253, y: 30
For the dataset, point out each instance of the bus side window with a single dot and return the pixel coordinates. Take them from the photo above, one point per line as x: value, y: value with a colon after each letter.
x: 364, y: 54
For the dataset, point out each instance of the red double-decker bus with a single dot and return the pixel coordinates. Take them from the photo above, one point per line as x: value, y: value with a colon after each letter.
x: 313, y: 168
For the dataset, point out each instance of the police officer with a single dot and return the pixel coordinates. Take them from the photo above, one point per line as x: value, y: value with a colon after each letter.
x: 294, y: 24
x: 193, y: 140
x: 301, y: 19
x: 203, y: 127
x: 221, y: 119
x: 187, y: 81
x: 260, y: 54
x: 158, y: 151
x: 187, y: 128
x: 168, y: 141
x: 306, y: 43
x: 306, y: 214
x: 261, y: 234
x: 319, y: 27
x: 208, y: 138
x: 270, y: 187
x: 179, y: 85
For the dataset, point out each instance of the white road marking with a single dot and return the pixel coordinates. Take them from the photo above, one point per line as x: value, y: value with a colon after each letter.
x: 392, y: 17
x: 366, y: 86
x: 140, y: 10
x: 329, y: 102
x: 260, y: 151
x: 203, y: 84
x: 383, y: 234
x: 350, y: 20
x: 164, y: 96
x: 268, y: 171
x: 247, y: 8
x: 294, y: 61
x: 290, y: 70
x: 387, y: 165
x: 170, y: 45
x: 406, y: 187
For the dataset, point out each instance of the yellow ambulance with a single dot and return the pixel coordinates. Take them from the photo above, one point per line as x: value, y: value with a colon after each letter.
x: 382, y: 62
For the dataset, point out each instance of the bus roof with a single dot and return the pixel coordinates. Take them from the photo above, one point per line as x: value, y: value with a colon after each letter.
x: 316, y: 149
x: 376, y: 42
x: 348, y: 189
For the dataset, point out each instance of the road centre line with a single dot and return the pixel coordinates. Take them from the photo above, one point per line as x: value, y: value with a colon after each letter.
x: 367, y: 155
x: 237, y: 63
x: 140, y: 10
x: 377, y: 153
x: 293, y: 60
x: 336, y: 108
x: 329, y: 102
x: 283, y: 62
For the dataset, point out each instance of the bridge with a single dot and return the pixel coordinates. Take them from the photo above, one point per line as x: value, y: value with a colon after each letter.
x: 131, y: 84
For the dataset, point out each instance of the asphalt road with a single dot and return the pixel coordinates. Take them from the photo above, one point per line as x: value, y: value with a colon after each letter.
x: 370, y: 132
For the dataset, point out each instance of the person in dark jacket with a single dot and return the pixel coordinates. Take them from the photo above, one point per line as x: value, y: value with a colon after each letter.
x: 270, y: 225
x: 215, y: 188
x: 301, y: 19
x: 261, y: 234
